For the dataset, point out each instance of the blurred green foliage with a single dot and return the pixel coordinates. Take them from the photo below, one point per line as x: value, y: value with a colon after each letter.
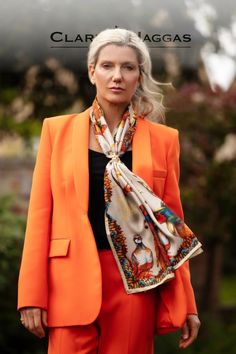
x: 26, y: 129
x: 228, y: 291
x: 207, y: 182
x: 214, y: 337
x: 13, y: 337
x: 9, y: 94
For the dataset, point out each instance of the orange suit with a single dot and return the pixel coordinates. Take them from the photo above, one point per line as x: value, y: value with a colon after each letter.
x: 60, y: 269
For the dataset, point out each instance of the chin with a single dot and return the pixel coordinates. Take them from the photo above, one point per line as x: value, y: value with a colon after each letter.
x: 118, y: 100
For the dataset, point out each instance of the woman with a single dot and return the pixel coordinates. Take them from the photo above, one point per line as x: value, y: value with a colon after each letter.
x: 100, y: 283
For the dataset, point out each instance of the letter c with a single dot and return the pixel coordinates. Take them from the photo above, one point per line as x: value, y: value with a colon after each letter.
x: 54, y: 39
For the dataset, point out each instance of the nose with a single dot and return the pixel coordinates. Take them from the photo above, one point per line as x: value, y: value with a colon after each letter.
x: 117, y: 74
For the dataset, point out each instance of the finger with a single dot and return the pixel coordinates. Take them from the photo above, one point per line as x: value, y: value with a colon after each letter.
x: 45, y: 318
x: 22, y: 317
x: 31, y: 323
x: 25, y: 319
x: 184, y: 334
x: 38, y: 327
x: 185, y: 331
x: 193, y: 332
x: 185, y: 343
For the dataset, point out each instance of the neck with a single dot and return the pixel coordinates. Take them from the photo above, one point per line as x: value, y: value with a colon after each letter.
x: 112, y: 112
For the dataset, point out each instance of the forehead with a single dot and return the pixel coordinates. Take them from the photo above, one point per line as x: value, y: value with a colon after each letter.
x: 114, y: 52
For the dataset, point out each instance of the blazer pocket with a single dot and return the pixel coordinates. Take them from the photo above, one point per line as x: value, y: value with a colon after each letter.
x: 59, y: 247
x: 159, y: 173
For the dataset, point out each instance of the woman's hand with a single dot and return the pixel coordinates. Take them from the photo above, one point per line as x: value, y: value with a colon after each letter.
x: 34, y: 319
x: 189, y: 331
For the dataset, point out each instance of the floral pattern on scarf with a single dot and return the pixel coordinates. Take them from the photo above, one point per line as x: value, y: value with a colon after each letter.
x: 148, y: 240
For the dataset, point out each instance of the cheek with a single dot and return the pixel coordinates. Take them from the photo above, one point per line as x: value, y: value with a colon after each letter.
x: 100, y: 78
x: 133, y: 84
x: 102, y: 73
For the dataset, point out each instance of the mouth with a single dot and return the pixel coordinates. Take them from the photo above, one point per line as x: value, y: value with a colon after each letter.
x: 116, y: 89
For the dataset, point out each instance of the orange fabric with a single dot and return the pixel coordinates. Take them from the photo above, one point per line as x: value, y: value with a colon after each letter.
x: 60, y: 269
x: 125, y: 323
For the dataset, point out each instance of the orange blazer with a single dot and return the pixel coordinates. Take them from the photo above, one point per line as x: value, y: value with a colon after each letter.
x: 60, y: 269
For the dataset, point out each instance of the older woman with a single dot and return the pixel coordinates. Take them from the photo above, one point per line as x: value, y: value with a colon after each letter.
x: 105, y: 259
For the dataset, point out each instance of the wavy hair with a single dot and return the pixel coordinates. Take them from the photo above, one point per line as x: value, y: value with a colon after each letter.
x: 148, y: 98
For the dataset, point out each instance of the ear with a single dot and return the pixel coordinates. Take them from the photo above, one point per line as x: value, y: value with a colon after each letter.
x: 91, y: 70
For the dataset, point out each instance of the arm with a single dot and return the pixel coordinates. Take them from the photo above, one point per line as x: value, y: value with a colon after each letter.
x: 172, y: 199
x: 33, y: 277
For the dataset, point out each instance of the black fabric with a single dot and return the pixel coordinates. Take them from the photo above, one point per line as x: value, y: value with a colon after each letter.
x: 97, y: 164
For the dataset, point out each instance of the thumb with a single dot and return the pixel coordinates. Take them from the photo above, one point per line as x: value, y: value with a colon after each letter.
x: 185, y: 331
x: 44, y: 318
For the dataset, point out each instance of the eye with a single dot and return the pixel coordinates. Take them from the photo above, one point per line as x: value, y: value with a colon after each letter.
x: 106, y: 65
x: 129, y: 67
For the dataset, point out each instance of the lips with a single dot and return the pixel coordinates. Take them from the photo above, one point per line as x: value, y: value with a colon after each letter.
x: 118, y: 89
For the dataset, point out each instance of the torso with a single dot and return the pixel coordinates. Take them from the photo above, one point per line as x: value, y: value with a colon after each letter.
x: 97, y: 163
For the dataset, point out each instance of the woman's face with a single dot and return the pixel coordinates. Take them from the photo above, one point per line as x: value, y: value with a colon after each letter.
x: 116, y: 74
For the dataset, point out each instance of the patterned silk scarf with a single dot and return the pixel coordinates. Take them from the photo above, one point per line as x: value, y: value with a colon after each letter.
x: 148, y: 240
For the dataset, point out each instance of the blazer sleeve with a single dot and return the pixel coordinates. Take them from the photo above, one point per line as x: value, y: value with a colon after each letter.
x: 172, y: 199
x: 33, y: 276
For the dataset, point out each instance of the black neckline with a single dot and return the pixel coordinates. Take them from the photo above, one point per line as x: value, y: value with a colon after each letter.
x: 101, y: 153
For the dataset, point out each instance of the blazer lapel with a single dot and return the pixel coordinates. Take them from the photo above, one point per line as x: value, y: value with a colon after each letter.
x: 80, y: 145
x: 142, y: 154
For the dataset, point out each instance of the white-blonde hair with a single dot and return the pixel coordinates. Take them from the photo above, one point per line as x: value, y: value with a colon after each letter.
x: 148, y: 97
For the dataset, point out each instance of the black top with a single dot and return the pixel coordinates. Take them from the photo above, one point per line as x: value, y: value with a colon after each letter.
x: 97, y: 164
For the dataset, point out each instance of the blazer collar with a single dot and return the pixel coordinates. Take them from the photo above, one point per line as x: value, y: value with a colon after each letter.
x: 141, y: 156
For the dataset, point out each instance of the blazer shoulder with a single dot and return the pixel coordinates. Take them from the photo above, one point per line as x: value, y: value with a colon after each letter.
x: 61, y: 119
x: 158, y: 130
x: 65, y: 121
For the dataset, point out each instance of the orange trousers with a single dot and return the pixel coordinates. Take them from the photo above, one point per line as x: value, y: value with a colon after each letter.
x: 125, y: 324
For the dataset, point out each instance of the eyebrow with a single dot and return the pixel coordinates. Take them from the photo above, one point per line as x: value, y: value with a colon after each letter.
x: 125, y: 62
